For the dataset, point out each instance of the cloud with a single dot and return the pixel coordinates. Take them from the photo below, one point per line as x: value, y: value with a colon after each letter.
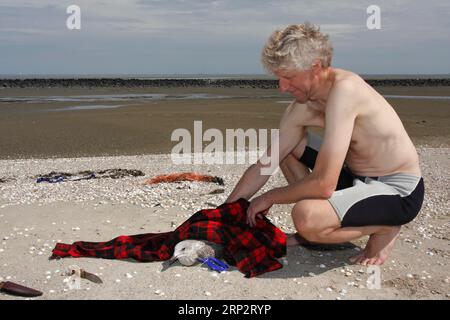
x: 218, y: 35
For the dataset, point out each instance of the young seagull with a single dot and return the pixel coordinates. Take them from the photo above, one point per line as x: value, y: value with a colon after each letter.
x: 188, y: 251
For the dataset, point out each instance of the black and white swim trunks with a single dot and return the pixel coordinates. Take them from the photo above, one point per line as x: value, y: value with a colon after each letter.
x: 391, y: 200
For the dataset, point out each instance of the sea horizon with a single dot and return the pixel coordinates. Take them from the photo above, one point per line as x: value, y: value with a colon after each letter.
x: 256, y: 76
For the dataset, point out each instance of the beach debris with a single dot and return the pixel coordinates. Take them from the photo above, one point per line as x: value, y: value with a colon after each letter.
x: 343, y: 292
x: 211, y: 204
x: 217, y: 191
x: 76, y: 273
x: 54, y: 177
x: 18, y: 290
x: 184, y: 176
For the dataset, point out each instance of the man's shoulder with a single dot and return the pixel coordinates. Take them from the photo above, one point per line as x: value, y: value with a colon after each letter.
x: 347, y: 81
x: 348, y: 91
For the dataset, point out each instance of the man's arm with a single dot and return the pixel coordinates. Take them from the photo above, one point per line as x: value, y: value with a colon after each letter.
x: 252, y: 180
x: 340, y: 116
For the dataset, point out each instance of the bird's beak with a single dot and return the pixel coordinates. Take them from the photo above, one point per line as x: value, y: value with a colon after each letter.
x: 172, y: 260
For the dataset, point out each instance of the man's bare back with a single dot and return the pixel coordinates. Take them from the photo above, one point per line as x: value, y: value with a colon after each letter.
x: 379, y: 143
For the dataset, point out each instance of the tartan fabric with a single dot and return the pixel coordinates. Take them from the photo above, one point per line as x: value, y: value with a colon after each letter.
x: 252, y: 250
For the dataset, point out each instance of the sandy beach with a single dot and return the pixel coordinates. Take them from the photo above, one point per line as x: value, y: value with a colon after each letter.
x: 34, y: 216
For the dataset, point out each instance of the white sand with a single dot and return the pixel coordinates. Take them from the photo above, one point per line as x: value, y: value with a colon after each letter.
x: 33, y: 217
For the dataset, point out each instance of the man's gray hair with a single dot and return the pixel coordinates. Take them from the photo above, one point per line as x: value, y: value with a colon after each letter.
x: 297, y: 46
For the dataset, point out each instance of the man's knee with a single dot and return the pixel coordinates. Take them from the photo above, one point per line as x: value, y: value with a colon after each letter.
x: 294, y: 155
x: 297, y: 152
x: 303, y: 218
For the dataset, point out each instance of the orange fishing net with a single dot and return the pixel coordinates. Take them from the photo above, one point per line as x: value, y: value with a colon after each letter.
x: 185, y: 176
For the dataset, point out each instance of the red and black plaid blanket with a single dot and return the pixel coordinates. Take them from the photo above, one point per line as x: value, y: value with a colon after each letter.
x: 252, y: 250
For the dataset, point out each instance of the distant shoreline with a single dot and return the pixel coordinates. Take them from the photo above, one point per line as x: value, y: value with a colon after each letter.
x: 194, y: 83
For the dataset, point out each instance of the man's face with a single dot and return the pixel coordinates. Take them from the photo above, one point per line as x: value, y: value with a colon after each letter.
x: 295, y: 82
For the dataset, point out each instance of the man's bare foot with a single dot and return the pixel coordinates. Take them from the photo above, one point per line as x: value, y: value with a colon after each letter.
x: 295, y: 239
x: 378, y: 247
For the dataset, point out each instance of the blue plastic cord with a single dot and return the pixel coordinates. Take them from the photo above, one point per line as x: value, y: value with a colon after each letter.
x: 214, y: 264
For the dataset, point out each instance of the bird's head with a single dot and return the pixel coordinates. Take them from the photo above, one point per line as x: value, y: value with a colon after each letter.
x: 187, y: 252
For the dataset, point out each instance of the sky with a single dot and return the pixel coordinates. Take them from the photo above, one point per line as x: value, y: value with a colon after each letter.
x: 216, y: 37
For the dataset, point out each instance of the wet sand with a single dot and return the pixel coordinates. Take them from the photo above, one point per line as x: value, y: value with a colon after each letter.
x: 28, y: 130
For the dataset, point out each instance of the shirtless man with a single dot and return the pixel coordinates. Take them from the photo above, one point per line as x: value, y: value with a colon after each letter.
x: 362, y: 178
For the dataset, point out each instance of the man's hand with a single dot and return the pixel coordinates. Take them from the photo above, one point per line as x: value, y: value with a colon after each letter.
x: 258, y: 206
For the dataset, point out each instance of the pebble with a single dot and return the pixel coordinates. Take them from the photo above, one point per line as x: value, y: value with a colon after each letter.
x: 128, y: 275
x: 207, y: 293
